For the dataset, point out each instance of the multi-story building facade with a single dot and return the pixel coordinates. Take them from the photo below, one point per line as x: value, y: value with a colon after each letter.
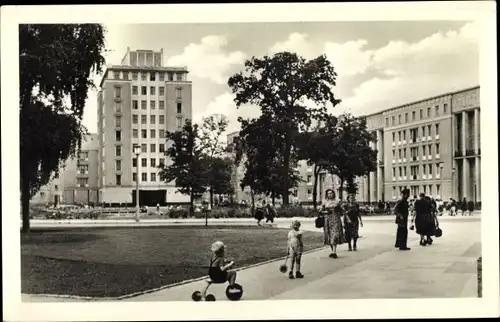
x: 430, y: 146
x: 139, y: 101
x: 77, y: 181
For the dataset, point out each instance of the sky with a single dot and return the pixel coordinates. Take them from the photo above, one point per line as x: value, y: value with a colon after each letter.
x: 379, y: 64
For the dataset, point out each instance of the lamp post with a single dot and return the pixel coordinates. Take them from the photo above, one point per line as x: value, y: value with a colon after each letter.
x: 453, y: 182
x: 137, y: 152
x: 441, y: 193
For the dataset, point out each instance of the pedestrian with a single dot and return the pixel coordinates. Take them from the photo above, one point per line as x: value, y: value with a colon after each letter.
x: 260, y: 211
x: 295, y: 249
x: 333, y: 228
x: 401, y: 211
x: 453, y: 207
x: 270, y: 213
x: 422, y: 219
x: 470, y: 207
x: 463, y: 206
x: 352, y: 222
x: 219, y: 270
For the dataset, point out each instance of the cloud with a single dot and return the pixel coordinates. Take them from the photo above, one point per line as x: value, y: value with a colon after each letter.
x: 208, y: 59
x: 296, y: 42
x: 440, y: 63
x: 224, y: 104
x: 349, y: 58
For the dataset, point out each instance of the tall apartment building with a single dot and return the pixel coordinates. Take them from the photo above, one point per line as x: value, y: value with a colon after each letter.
x: 139, y: 101
x: 77, y: 180
x: 430, y: 146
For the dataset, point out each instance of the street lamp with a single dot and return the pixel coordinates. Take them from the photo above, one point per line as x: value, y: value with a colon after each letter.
x: 441, y: 194
x: 137, y: 152
x: 453, y: 182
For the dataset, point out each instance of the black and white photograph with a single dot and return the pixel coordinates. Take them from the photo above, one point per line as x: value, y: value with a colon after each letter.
x: 255, y: 162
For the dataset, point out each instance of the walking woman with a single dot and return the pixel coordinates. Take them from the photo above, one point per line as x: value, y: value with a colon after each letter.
x: 333, y: 228
x: 352, y: 222
x: 422, y: 217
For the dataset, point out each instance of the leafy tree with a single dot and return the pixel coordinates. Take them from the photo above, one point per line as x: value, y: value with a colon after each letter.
x: 281, y: 85
x: 55, y: 66
x: 220, y: 176
x: 212, y: 145
x: 353, y: 155
x: 188, y: 166
x: 318, y: 147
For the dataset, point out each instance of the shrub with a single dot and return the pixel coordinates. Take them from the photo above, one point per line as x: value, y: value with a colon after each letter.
x: 288, y: 211
x: 178, y: 213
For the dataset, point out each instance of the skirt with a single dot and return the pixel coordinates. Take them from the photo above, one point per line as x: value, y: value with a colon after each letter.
x: 333, y: 230
x: 352, y: 230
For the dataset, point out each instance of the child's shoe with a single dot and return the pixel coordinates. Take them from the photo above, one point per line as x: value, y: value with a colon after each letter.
x: 290, y: 275
x: 299, y: 275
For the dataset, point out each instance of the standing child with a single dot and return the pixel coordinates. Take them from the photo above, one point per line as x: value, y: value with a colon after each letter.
x: 295, y: 249
x: 219, y: 270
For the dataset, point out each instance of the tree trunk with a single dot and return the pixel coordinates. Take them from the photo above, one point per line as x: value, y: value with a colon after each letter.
x: 252, y: 195
x: 341, y: 189
x: 273, y: 198
x: 315, y: 187
x: 25, y: 205
x: 191, y: 203
x: 286, y: 165
x: 211, y: 191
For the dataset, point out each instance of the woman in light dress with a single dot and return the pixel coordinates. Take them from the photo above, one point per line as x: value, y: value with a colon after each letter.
x: 333, y: 228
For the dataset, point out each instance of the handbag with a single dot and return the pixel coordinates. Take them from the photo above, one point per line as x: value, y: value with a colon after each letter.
x: 438, y: 232
x: 320, y: 221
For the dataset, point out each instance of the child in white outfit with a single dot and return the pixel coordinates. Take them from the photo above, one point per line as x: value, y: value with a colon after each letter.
x: 295, y: 249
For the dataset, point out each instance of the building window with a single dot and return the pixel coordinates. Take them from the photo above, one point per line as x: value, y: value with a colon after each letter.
x: 393, y: 136
x: 152, y: 90
x: 125, y: 75
x: 170, y: 76
x: 162, y: 91
x: 393, y: 173
x: 386, y: 121
x: 118, y: 106
x: 144, y: 119
x: 162, y: 105
x: 134, y: 76
x: 118, y: 136
x: 162, y: 147
x: 144, y: 162
x: 135, y: 133
x: 404, y: 135
x: 429, y: 130
x: 437, y: 129
x: 144, y: 105
x: 135, y: 119
x: 393, y: 120
x: 152, y: 119
x: 430, y: 169
x: 179, y: 108
x: 430, y: 149
x: 436, y: 110
x: 134, y: 162
x: 152, y: 105
x: 179, y: 77
x: 82, y: 182
x: 162, y: 134
x: 144, y: 134
x: 143, y: 76
x: 135, y: 90
x: 144, y: 90
x: 438, y: 190
x: 393, y: 154
x: 445, y: 107
x: 399, y: 119
x: 118, y: 180
x: 399, y: 135
x: 421, y: 113
x: 83, y: 169
x: 413, y: 115
x: 178, y: 93
x: 404, y: 171
x: 161, y: 76
x: 162, y: 119
x: 423, y: 150
x: 134, y: 177
x: 428, y: 112
x: 309, y: 192
x: 152, y: 162
x: 437, y: 148
x: 144, y: 177
x: 118, y: 165
x: 135, y: 105
x: 179, y: 122
x: 118, y: 151
x: 144, y: 148
x: 423, y: 130
x: 118, y: 92
x: 118, y: 121
x: 153, y: 177
x: 406, y: 117
x: 152, y: 148
x: 161, y: 162
x: 152, y: 134
x: 152, y: 76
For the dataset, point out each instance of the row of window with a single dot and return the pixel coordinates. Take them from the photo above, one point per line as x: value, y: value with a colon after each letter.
x: 82, y: 182
x: 415, y: 170
x: 414, y: 133
x: 144, y: 177
x: 144, y: 76
x: 144, y: 162
x: 414, y: 115
x: 415, y: 190
x: 414, y: 151
x: 152, y: 105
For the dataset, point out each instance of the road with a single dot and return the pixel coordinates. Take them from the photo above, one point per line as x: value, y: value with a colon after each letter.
x: 446, y: 269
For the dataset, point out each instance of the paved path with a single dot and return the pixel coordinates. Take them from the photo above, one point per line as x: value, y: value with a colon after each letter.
x: 446, y: 269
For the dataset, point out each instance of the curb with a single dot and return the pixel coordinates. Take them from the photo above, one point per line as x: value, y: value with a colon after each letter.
x: 131, y: 295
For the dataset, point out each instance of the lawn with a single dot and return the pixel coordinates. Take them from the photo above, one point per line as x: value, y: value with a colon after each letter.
x: 112, y: 262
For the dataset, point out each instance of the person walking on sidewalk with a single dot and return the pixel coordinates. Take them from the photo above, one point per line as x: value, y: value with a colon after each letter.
x: 470, y: 206
x: 401, y: 211
x: 352, y: 222
x: 333, y: 230
x: 422, y: 216
x: 295, y: 249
